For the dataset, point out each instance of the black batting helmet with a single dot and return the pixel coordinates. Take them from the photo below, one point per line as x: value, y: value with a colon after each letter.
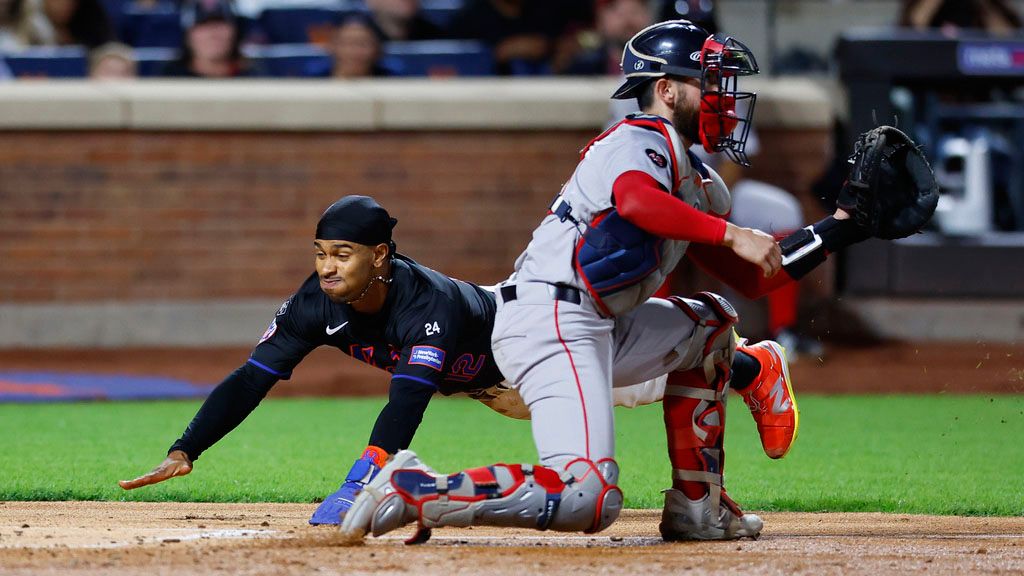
x: 667, y: 48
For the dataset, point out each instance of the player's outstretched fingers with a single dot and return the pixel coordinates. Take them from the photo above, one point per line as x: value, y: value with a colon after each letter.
x: 176, y: 464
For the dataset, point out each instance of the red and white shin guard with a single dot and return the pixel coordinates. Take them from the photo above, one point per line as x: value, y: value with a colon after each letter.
x: 697, y: 507
x: 582, y: 497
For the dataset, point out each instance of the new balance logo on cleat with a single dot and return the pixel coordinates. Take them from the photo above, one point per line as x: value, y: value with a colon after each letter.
x: 780, y: 402
x: 771, y: 400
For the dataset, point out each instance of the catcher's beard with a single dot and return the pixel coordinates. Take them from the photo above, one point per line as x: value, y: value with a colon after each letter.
x: 687, y: 119
x: 378, y: 278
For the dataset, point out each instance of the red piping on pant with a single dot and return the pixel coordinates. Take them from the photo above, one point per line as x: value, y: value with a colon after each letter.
x: 579, y: 387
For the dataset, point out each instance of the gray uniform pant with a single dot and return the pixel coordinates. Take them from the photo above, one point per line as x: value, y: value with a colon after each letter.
x: 564, y: 359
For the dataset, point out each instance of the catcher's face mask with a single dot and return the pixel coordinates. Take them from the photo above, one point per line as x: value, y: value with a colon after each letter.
x: 724, y: 60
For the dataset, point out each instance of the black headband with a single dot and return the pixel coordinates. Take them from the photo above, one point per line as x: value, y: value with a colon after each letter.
x: 357, y: 219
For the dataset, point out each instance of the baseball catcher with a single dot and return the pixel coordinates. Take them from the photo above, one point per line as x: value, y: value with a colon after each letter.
x: 637, y: 202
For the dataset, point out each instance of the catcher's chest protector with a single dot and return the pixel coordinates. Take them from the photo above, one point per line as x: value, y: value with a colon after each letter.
x: 620, y: 264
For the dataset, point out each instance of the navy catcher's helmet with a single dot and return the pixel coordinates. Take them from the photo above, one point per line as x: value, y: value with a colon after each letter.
x: 667, y: 48
x: 680, y: 48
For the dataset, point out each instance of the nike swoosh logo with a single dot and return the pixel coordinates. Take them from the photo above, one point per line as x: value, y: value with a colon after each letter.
x: 331, y: 331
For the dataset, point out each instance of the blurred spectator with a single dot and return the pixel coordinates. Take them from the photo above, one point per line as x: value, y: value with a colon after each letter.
x: 112, y: 61
x: 401, y: 20
x: 212, y: 43
x: 356, y: 50
x: 522, y: 33
x: 616, y: 22
x: 63, y: 23
x: 9, y: 16
x: 700, y: 12
x: 994, y: 16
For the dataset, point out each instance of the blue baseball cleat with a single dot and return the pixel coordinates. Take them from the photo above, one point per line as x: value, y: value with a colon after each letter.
x: 333, y: 509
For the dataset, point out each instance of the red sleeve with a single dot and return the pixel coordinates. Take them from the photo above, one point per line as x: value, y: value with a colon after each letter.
x: 748, y: 279
x: 642, y: 201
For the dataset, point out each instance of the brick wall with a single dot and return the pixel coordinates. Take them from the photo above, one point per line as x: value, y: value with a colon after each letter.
x: 129, y: 215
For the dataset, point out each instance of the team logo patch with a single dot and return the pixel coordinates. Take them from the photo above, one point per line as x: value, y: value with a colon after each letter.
x: 656, y: 158
x: 428, y: 356
x: 270, y: 332
x: 284, y: 307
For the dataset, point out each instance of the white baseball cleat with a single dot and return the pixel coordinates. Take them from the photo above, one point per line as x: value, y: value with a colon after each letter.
x: 358, y: 520
x: 685, y: 519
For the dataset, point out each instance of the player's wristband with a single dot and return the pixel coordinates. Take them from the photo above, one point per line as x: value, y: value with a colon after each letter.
x: 805, y: 249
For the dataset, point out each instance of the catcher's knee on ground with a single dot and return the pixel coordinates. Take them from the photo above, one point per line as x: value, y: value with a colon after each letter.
x: 582, y: 497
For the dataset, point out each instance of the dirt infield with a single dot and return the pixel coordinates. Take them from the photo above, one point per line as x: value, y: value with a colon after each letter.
x: 178, y: 538
x: 886, y: 368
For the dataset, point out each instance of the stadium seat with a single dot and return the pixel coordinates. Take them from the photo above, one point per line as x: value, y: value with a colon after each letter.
x: 157, y: 26
x: 438, y: 58
x: 49, y: 62
x: 441, y: 13
x: 151, y: 61
x: 299, y: 25
x: 291, y: 60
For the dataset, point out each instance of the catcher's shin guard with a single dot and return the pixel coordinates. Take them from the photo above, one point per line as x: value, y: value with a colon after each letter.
x: 582, y: 497
x: 694, y: 407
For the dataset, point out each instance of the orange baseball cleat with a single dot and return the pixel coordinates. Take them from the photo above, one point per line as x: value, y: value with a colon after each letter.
x: 771, y: 400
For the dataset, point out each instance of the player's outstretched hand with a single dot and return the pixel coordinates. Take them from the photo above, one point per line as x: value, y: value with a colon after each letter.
x: 755, y: 247
x: 176, y: 464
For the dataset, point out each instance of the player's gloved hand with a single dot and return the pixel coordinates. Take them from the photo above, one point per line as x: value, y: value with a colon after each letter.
x: 891, y: 192
x: 333, y: 509
x: 176, y: 464
x: 755, y: 247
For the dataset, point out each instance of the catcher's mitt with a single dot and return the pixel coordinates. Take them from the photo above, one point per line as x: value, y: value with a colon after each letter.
x: 891, y: 192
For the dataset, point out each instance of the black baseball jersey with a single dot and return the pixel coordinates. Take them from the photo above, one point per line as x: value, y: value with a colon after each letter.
x: 432, y: 330
x: 433, y: 334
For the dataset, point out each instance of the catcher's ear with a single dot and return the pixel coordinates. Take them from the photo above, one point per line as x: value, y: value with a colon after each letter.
x: 666, y: 91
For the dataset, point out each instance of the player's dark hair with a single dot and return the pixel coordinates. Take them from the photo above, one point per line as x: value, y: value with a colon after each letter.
x: 645, y: 99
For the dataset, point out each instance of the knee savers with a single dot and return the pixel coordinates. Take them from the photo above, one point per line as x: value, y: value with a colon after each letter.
x: 583, y: 497
x: 713, y: 342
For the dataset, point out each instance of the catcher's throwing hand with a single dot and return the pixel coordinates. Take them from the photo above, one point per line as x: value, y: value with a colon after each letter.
x: 755, y: 247
x: 891, y: 192
x: 176, y: 464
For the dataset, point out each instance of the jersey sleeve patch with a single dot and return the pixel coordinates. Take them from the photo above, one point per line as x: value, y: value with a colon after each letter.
x: 659, y: 160
x: 284, y: 307
x: 271, y: 330
x: 428, y: 356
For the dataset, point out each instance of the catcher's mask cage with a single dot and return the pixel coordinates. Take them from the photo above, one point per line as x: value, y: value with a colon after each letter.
x: 723, y: 60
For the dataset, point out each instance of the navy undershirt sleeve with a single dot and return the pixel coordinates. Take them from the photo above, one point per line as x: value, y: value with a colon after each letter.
x: 229, y: 403
x: 398, y: 421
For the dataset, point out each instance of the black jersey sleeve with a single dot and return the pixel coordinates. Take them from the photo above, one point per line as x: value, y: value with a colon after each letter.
x: 291, y: 336
x: 427, y: 335
x: 284, y: 344
x: 224, y: 409
x: 398, y: 421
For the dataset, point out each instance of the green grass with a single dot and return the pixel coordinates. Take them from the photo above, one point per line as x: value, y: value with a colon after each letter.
x: 921, y: 454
